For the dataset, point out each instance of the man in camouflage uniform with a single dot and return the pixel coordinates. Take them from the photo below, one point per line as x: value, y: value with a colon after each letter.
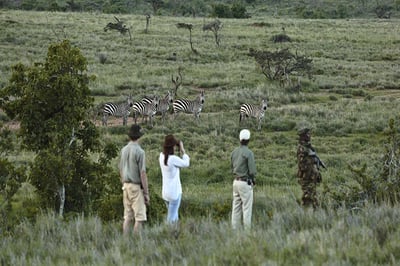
x: 308, y: 169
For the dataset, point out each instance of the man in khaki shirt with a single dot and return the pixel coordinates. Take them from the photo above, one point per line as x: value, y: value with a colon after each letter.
x: 244, y: 170
x: 132, y: 168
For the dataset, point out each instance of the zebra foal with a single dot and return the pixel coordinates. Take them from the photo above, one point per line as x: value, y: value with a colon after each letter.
x: 250, y: 110
x: 163, y: 106
x: 188, y: 106
x: 145, y: 109
x: 117, y: 109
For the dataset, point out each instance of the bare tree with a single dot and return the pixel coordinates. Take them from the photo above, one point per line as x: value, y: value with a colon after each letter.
x: 190, y: 28
x: 214, y: 26
x: 177, y: 81
x: 147, y: 23
x: 55, y: 33
x: 119, y: 26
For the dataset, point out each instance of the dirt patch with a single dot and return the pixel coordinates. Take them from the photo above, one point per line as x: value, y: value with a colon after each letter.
x: 111, y: 122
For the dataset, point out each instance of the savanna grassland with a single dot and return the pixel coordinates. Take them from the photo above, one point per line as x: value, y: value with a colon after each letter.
x: 348, y: 102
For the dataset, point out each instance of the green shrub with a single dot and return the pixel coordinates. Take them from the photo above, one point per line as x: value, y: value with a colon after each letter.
x: 378, y: 181
x: 281, y: 139
x: 281, y: 125
x: 221, y: 11
x: 383, y: 11
x: 236, y: 10
x: 239, y: 10
x: 281, y: 38
x: 157, y: 211
x: 333, y: 98
x: 110, y: 208
x: 217, y: 210
x: 361, y: 93
x: 25, y: 204
x: 99, y: 92
x: 117, y: 130
x: 124, y: 87
x: 102, y: 58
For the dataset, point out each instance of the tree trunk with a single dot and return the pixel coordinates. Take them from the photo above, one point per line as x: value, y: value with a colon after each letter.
x: 61, y: 193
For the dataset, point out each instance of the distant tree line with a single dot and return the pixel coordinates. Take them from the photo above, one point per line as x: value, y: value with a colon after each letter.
x: 310, y: 9
x: 224, y: 9
x: 341, y: 9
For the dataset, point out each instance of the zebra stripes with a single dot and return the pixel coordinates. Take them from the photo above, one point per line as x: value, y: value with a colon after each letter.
x: 149, y: 106
x: 118, y: 109
x: 187, y: 106
x: 250, y: 110
x: 163, y: 106
x: 146, y: 109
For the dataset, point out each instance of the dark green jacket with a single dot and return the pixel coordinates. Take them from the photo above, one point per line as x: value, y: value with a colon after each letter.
x: 243, y: 163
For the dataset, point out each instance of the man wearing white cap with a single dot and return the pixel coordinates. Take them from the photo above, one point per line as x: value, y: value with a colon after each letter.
x: 244, y: 171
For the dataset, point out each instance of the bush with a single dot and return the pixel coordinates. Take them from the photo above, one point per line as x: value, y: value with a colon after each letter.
x: 237, y: 10
x: 217, y: 209
x: 376, y: 182
x: 282, y: 125
x: 383, y: 11
x: 102, y: 58
x: 281, y: 38
x: 221, y: 11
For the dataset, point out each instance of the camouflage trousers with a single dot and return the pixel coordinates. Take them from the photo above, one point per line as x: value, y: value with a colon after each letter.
x: 309, y: 188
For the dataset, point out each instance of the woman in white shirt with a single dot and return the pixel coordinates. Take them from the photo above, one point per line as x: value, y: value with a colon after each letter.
x: 170, y: 165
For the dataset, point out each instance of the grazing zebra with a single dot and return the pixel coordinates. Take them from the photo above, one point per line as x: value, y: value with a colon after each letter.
x: 118, y: 109
x: 146, y: 109
x: 187, y: 106
x: 250, y: 110
x: 163, y: 106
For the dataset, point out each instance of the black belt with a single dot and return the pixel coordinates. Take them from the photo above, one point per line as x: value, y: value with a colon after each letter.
x: 241, y: 178
x: 131, y: 182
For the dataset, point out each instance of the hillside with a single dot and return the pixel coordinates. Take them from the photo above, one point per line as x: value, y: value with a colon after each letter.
x: 348, y: 100
x: 314, y: 9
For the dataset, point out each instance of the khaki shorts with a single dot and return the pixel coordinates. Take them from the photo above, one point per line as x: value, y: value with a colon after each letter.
x: 133, y: 199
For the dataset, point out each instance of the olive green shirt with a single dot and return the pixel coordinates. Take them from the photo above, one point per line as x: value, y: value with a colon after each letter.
x: 132, y: 163
x: 243, y: 163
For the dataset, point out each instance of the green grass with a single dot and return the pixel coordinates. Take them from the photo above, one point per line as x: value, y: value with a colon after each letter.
x: 353, y: 94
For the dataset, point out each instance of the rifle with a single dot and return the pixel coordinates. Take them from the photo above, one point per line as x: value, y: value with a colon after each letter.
x: 317, y: 160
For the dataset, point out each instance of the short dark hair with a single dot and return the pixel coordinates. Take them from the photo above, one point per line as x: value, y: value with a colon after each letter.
x: 135, y: 132
x: 244, y: 141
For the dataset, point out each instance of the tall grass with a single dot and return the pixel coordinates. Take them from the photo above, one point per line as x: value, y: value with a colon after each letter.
x: 285, y: 235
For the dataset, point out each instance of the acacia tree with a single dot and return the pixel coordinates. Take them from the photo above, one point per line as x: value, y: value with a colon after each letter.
x: 50, y: 100
x: 281, y: 65
x: 190, y: 28
x: 215, y: 27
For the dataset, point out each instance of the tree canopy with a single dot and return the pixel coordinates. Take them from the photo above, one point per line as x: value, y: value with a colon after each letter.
x: 50, y: 100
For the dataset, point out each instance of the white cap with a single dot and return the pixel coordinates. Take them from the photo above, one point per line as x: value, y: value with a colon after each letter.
x: 244, y: 134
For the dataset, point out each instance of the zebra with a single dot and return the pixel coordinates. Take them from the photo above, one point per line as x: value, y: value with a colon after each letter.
x: 118, y: 109
x: 250, y: 110
x: 146, y: 109
x: 163, y: 106
x: 187, y: 106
